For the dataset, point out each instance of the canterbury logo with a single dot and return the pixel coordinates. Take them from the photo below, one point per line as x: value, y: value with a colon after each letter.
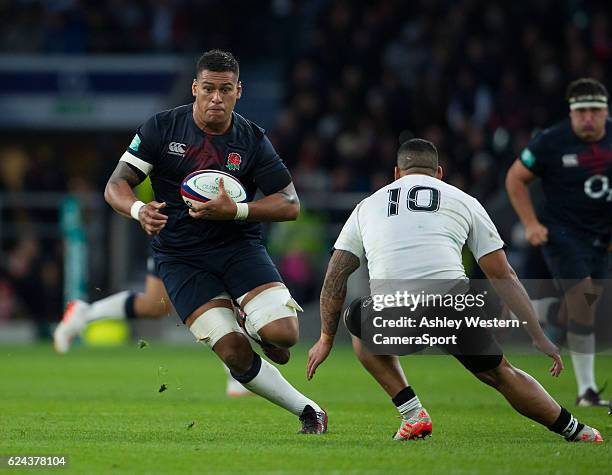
x: 176, y: 148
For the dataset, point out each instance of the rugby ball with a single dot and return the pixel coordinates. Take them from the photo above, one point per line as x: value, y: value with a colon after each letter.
x: 203, y: 185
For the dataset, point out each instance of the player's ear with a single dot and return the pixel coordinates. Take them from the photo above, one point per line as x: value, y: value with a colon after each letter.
x: 238, y: 90
x: 439, y: 173
x: 194, y: 87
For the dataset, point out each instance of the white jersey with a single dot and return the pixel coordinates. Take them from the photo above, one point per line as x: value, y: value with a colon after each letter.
x: 415, y: 228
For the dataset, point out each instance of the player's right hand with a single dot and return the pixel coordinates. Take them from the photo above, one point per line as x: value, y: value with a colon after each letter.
x: 221, y: 208
x: 536, y: 234
x: 547, y: 347
x: 317, y: 354
x: 151, y: 219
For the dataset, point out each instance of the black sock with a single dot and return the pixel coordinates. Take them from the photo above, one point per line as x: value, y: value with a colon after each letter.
x: 403, y: 396
x: 566, y: 425
x: 251, y: 373
x: 130, y: 313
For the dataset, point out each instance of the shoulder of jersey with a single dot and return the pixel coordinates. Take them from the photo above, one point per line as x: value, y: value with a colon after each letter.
x: 242, y: 123
x: 384, y: 190
x: 381, y: 191
x: 169, y: 114
x: 163, y: 118
x: 456, y: 193
x: 556, y: 131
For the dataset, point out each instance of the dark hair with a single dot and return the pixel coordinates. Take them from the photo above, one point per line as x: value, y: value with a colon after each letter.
x: 585, y: 87
x: 417, y: 153
x: 218, y: 61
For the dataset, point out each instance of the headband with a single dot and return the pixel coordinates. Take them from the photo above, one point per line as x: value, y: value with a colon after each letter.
x: 588, y: 101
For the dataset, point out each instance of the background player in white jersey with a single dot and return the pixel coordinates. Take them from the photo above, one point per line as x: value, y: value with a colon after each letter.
x: 573, y: 159
x: 152, y: 304
x: 415, y: 228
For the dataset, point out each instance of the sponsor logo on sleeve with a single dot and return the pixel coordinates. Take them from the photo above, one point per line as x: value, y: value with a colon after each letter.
x: 135, y: 144
x: 528, y: 158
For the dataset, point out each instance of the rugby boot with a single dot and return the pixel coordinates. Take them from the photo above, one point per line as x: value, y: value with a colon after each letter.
x: 417, y: 426
x: 313, y: 422
x: 72, y: 324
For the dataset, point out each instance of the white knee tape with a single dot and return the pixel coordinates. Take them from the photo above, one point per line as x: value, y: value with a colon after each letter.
x: 269, y: 305
x: 214, y: 324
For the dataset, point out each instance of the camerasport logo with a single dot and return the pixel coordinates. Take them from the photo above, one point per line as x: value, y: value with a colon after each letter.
x: 176, y: 148
x: 233, y: 161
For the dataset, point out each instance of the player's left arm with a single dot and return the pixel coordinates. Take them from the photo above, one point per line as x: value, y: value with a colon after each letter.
x: 283, y: 205
x: 333, y: 293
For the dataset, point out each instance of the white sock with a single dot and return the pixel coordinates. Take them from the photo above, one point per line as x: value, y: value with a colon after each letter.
x: 582, y: 351
x: 410, y: 407
x: 112, y: 307
x: 270, y: 384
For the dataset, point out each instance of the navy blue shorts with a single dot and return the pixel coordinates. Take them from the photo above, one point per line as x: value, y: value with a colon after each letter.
x: 193, y: 280
x: 572, y: 256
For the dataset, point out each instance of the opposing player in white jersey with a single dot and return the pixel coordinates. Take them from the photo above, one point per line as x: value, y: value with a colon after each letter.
x: 415, y: 228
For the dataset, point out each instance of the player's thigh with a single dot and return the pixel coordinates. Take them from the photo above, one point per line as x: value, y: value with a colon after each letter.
x: 573, y: 262
x: 569, y: 258
x: 253, y: 281
x: 246, y: 268
x: 154, y: 301
x: 475, y: 347
x: 367, y: 324
x: 154, y: 298
x: 189, y: 284
x: 154, y: 288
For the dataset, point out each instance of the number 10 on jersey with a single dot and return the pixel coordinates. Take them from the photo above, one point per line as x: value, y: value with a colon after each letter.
x: 420, y: 198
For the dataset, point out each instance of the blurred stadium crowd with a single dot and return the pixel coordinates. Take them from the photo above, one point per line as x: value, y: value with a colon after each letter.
x: 474, y: 77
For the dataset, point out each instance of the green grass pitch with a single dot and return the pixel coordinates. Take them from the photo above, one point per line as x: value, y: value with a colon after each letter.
x: 102, y: 408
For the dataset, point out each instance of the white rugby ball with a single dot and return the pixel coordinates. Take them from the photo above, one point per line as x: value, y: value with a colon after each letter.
x: 203, y: 185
